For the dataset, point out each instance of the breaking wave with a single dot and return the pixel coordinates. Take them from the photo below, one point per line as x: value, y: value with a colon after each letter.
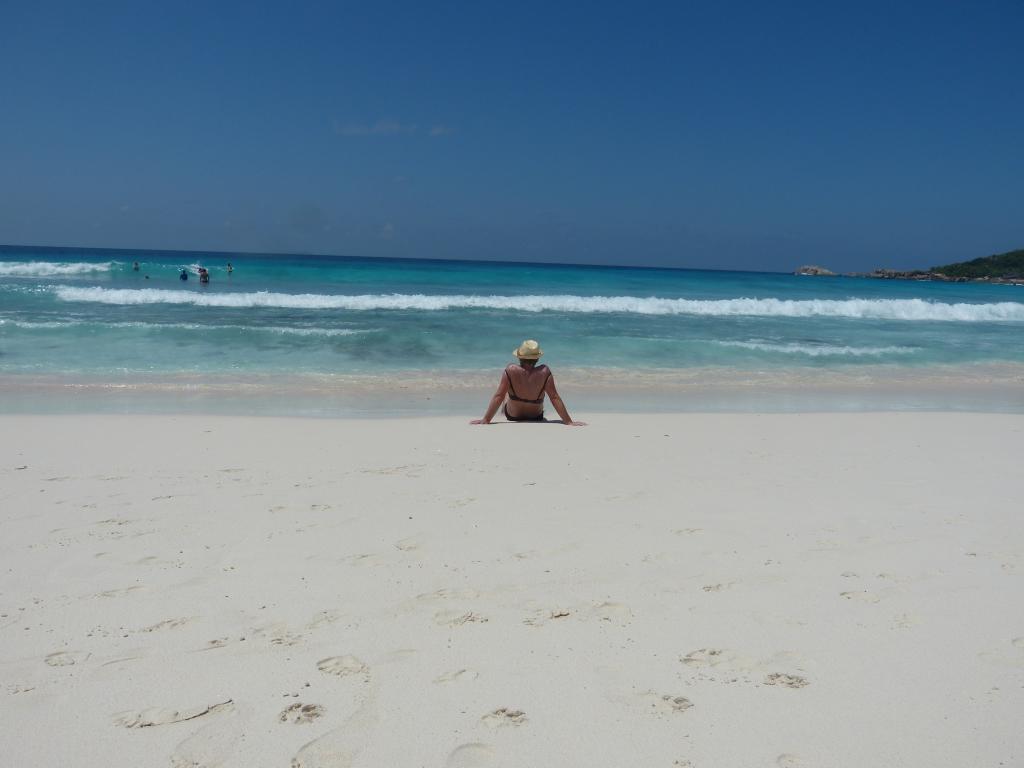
x: 52, y: 269
x: 283, y: 330
x: 873, y: 309
x: 817, y: 350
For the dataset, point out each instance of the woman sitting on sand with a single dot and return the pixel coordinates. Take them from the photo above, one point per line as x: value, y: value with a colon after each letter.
x: 526, y: 384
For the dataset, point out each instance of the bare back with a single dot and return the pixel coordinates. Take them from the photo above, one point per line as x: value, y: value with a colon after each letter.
x: 526, y: 389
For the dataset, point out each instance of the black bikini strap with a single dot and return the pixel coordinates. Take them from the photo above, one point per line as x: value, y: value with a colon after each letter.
x: 510, y: 387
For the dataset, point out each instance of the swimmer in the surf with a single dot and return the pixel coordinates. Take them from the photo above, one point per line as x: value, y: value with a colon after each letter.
x: 183, y: 275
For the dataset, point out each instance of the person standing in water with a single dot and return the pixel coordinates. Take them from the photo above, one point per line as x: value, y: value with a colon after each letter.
x: 526, y: 385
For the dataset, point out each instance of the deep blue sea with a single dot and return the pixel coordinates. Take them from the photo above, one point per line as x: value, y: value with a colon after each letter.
x: 83, y: 313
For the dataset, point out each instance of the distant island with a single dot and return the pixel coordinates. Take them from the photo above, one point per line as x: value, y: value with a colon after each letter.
x: 815, y: 271
x: 1001, y: 268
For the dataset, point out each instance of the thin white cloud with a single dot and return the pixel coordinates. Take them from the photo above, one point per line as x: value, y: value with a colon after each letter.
x: 379, y: 128
x: 440, y: 130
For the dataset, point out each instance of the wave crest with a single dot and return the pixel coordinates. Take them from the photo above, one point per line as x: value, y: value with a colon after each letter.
x: 52, y: 269
x: 817, y: 350
x: 278, y: 329
x: 874, y: 309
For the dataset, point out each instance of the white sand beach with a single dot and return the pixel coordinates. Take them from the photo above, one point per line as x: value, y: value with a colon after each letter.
x: 695, y: 590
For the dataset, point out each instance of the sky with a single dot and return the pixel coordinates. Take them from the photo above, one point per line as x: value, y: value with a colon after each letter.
x: 718, y: 135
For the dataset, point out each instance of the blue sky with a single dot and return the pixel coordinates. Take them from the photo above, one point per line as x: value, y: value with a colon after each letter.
x: 718, y: 135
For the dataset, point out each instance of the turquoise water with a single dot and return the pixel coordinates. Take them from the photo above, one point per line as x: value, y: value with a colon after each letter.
x: 81, y: 312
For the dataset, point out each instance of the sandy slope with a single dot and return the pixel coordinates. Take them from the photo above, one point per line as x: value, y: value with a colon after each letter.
x: 705, y: 590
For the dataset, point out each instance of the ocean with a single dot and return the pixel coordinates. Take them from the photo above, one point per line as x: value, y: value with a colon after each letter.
x: 87, y: 319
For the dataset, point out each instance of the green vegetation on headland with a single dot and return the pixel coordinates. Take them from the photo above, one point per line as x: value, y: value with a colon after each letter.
x: 1001, y: 268
x: 1003, y: 265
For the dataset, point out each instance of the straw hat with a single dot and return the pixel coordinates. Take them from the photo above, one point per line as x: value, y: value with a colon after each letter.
x: 528, y: 350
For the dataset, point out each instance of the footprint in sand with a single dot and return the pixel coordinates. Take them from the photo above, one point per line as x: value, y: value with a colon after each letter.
x: 504, y: 716
x: 341, y: 747
x: 343, y: 666
x: 729, y: 666
x: 788, y: 681
x: 277, y: 634
x: 409, y: 544
x: 299, y: 713
x: 789, y: 760
x: 286, y: 638
x: 472, y: 755
x: 663, y: 704
x: 324, y: 618
x: 212, y: 745
x: 154, y: 716
x: 65, y: 658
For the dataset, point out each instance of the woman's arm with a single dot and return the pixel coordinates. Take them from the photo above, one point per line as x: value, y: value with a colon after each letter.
x: 559, y: 406
x: 496, y: 400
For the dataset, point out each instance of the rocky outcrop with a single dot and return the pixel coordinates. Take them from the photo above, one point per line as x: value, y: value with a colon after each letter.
x: 813, y: 269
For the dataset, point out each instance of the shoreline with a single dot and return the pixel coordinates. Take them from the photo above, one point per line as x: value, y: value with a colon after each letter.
x: 980, y: 388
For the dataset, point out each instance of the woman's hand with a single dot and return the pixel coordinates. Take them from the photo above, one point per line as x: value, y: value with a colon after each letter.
x: 479, y: 421
x: 575, y: 423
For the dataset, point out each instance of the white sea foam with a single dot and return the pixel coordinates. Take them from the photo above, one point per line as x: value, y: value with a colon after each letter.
x: 818, y: 350
x: 876, y: 309
x: 285, y: 330
x: 41, y: 325
x: 52, y: 269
